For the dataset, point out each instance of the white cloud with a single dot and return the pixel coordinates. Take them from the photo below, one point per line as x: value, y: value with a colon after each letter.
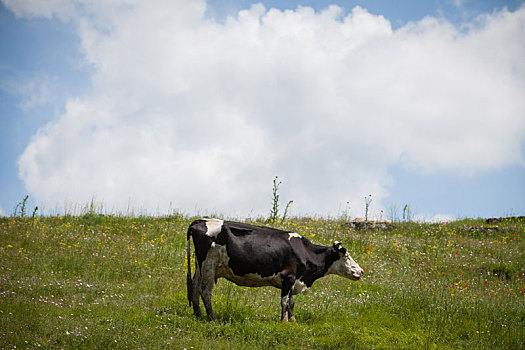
x: 204, y: 114
x: 34, y: 91
x: 37, y: 92
x: 458, y: 3
x: 62, y: 9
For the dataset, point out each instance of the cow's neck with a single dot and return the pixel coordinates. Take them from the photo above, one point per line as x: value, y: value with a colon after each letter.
x: 320, y: 259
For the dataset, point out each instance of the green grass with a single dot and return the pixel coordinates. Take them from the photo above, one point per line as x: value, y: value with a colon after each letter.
x: 97, y: 281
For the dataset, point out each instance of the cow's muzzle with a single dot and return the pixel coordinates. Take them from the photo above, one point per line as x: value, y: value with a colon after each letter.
x: 356, y: 274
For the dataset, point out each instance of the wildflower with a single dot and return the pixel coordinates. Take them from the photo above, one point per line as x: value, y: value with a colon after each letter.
x: 443, y: 275
x: 368, y: 249
x: 486, y: 283
x: 457, y: 252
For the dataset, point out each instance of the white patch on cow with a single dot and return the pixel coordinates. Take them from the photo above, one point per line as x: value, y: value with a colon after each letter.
x: 250, y: 279
x: 293, y: 235
x: 346, y: 267
x: 213, y: 227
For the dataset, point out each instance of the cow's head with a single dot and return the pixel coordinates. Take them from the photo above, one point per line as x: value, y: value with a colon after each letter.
x: 345, y: 266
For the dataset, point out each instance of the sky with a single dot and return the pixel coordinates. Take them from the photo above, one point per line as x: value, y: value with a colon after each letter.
x: 195, y: 107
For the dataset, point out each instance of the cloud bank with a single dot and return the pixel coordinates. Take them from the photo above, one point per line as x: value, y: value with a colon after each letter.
x: 203, y: 114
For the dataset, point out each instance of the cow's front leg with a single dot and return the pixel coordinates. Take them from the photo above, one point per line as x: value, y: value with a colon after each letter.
x: 284, y: 308
x: 286, y: 298
x: 291, y: 317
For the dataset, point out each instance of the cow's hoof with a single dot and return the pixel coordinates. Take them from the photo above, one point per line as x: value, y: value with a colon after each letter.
x: 292, y: 319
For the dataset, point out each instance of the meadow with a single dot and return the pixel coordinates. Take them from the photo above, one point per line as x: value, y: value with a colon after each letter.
x: 104, y: 281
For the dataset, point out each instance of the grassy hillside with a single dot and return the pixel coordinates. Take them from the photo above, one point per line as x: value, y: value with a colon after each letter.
x: 95, y: 281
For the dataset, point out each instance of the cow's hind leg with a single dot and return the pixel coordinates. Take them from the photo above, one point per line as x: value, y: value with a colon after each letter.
x: 206, y: 298
x: 195, y: 297
x: 207, y: 282
x: 196, y: 292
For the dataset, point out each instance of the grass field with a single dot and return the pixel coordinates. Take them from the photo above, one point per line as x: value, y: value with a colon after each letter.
x: 95, y: 281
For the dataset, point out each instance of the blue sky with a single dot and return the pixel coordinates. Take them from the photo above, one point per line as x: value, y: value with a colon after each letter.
x: 397, y: 12
x: 198, y: 110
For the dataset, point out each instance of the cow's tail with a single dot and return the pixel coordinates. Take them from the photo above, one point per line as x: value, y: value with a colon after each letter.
x: 189, y: 282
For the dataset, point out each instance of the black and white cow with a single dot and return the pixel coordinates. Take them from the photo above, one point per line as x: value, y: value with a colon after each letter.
x: 256, y: 256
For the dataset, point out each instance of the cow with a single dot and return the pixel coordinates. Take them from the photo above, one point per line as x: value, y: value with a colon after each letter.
x: 256, y: 256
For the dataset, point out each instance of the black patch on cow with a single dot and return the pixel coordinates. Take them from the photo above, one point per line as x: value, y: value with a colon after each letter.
x: 319, y: 260
x: 201, y: 241
x: 262, y: 250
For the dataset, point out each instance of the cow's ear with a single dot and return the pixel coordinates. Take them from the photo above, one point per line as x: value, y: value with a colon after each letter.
x: 338, y: 248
